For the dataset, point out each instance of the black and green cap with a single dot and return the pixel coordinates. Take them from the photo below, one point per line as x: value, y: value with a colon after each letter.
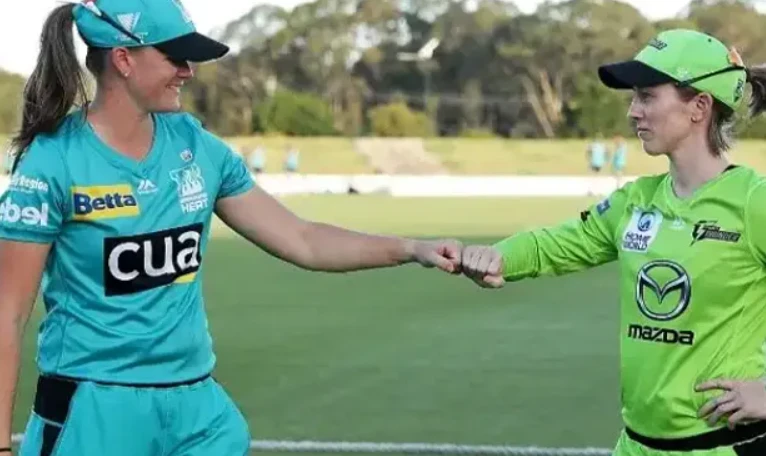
x: 686, y: 58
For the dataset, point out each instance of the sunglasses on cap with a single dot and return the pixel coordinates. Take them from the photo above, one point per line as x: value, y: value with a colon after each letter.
x: 91, y: 6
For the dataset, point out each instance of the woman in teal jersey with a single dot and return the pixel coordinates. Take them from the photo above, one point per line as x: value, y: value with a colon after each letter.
x: 108, y: 213
x: 691, y: 253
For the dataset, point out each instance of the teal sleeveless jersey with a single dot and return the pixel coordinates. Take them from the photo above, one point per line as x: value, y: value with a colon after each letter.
x: 693, y: 288
x: 122, y: 286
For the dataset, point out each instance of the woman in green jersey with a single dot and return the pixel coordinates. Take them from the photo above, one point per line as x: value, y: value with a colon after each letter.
x: 108, y: 215
x: 691, y: 250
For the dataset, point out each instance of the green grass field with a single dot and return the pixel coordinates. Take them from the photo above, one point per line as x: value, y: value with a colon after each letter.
x: 407, y: 354
x: 473, y: 156
x: 480, y: 156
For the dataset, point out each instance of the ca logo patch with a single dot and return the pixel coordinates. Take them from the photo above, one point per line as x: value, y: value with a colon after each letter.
x: 641, y: 230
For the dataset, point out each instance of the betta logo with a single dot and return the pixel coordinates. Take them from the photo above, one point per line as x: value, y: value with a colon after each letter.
x: 104, y: 202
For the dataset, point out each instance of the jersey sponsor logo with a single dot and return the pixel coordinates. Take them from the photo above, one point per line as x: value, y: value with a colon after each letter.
x: 663, y: 293
x: 709, y: 229
x: 23, y: 184
x: 191, y: 188
x: 645, y: 222
x: 641, y: 230
x: 27, y: 215
x: 664, y: 335
x: 138, y: 263
x: 104, y: 202
x: 656, y: 282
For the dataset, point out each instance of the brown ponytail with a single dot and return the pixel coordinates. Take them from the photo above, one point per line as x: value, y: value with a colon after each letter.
x: 756, y: 76
x: 721, y: 129
x: 56, y: 84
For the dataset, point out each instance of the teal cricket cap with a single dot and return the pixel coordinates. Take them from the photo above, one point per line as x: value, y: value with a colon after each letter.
x: 163, y: 24
x: 685, y: 58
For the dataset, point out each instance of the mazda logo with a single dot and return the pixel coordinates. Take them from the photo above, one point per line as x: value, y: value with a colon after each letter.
x: 679, y: 281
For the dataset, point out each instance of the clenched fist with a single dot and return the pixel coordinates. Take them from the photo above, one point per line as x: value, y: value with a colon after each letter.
x: 484, y: 265
x: 442, y: 254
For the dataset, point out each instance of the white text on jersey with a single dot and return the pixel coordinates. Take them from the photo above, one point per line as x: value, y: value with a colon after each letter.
x: 32, y: 216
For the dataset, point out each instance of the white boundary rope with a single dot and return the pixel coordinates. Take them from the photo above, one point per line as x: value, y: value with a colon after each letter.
x: 411, y: 448
x: 423, y: 448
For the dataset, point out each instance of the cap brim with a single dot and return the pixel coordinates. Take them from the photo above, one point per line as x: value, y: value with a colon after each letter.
x: 193, y: 47
x: 631, y: 74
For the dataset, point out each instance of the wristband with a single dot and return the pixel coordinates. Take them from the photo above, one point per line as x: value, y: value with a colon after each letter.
x: 6, y: 450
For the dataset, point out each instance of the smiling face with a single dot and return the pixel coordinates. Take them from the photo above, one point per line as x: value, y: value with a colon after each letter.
x: 155, y: 81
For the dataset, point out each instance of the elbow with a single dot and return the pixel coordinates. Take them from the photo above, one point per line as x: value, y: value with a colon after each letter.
x: 302, y: 250
x: 317, y: 249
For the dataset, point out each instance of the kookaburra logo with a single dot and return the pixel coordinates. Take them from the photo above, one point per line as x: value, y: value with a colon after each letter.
x: 676, y: 282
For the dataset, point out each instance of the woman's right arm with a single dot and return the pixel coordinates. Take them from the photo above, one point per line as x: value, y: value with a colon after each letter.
x: 21, y: 268
x: 32, y: 213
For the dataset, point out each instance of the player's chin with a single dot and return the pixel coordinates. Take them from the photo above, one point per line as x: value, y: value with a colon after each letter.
x: 652, y: 148
x: 169, y: 102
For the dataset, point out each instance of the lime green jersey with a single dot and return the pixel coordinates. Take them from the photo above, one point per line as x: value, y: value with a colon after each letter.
x: 692, y: 293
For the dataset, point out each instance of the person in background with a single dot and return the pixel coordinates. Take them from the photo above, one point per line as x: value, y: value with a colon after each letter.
x: 619, y: 159
x: 257, y: 160
x: 596, y: 156
x: 292, y: 159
